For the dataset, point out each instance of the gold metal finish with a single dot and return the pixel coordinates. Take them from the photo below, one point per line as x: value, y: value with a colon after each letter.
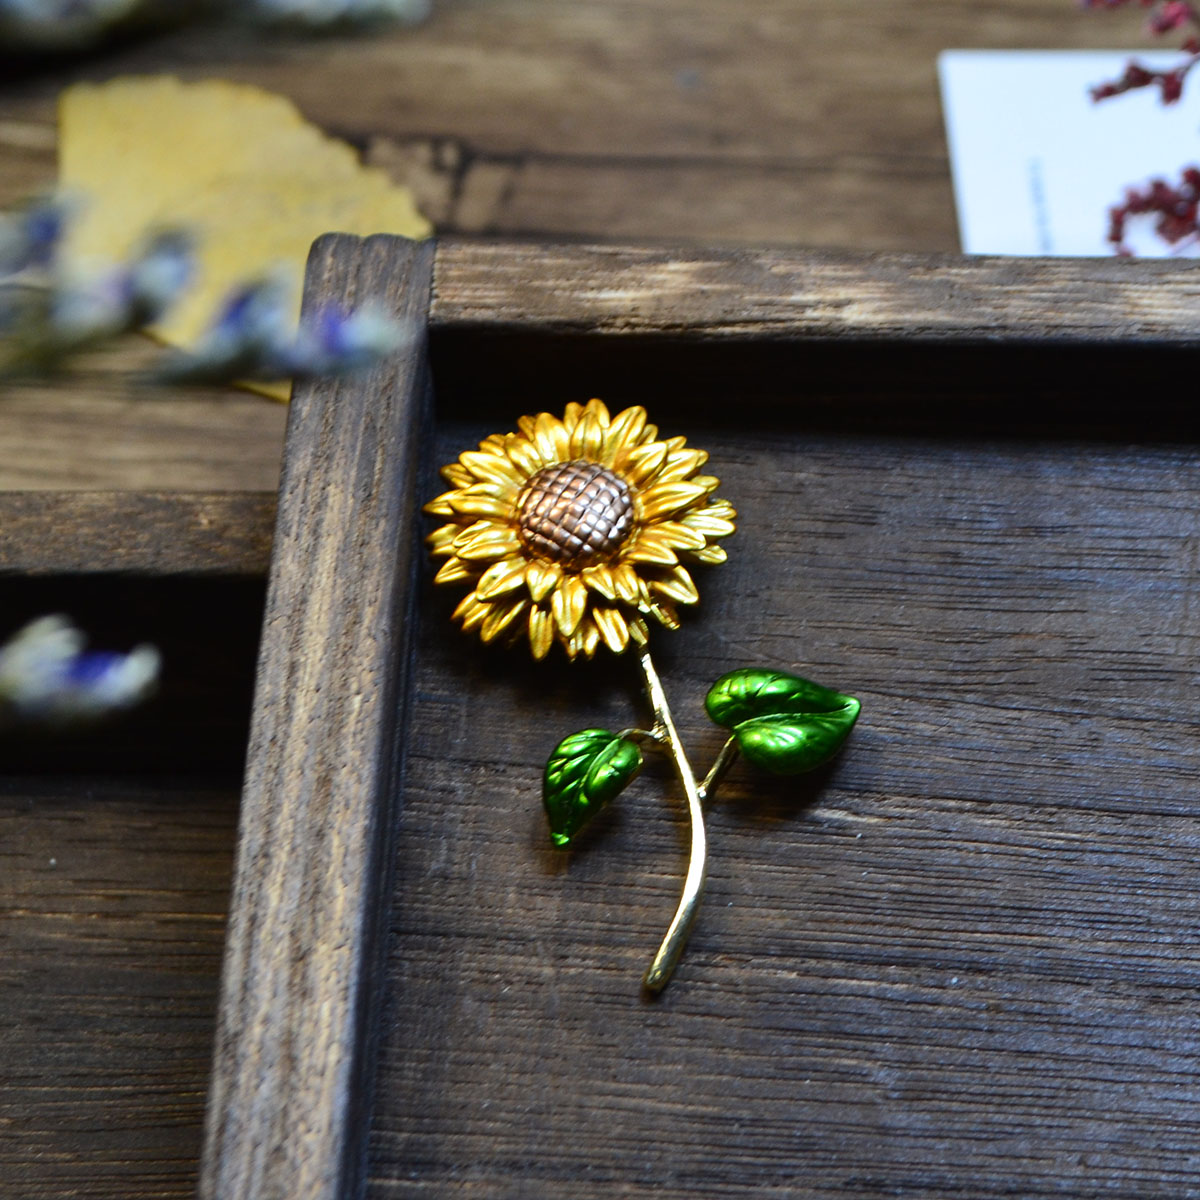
x: 577, y: 532
x: 665, y: 960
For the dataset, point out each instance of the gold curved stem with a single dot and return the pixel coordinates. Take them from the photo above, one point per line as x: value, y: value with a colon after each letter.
x: 665, y: 960
x: 724, y: 761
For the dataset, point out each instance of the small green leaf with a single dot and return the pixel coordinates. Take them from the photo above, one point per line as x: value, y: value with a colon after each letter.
x: 585, y: 772
x: 782, y: 723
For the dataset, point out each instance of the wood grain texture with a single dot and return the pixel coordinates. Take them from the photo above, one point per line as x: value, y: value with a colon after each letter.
x: 142, y: 533
x: 799, y: 123
x: 958, y: 963
x: 700, y: 294
x: 769, y: 121
x: 287, y: 1113
x: 96, y: 434
x: 114, y: 894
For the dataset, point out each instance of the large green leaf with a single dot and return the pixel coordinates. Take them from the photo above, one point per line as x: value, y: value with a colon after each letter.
x: 585, y: 772
x: 782, y: 723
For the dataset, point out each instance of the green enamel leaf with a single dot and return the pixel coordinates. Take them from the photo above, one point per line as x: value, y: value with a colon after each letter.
x: 585, y: 772
x: 782, y: 723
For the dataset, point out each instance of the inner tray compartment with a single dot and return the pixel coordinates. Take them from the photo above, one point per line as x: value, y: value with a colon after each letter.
x: 957, y: 960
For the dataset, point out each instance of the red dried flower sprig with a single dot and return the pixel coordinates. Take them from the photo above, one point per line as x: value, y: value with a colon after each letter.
x: 1175, y: 207
x: 1167, y: 17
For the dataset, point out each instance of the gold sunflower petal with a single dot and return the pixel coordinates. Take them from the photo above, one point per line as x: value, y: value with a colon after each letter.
x: 440, y: 506
x: 468, y: 533
x: 677, y: 586
x: 710, y: 522
x: 571, y: 415
x: 681, y: 464
x: 523, y: 454
x: 454, y: 570
x: 590, y: 637
x: 664, y: 614
x: 501, y: 578
x: 457, y: 474
x: 679, y: 536
x: 712, y: 555
x: 441, y: 540
x: 498, y: 542
x: 469, y: 608
x: 542, y: 578
x: 667, y: 499
x: 500, y: 618
x: 541, y: 632
x: 598, y: 411
x: 641, y: 463
x: 613, y: 628
x: 551, y: 439
x: 623, y: 431
x: 587, y: 438
x: 491, y: 468
x: 651, y: 549
x: 568, y: 604
x: 468, y: 504
x: 625, y: 581
x: 475, y: 618
x: 600, y: 577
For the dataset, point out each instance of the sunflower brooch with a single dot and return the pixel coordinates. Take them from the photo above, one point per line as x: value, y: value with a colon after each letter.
x: 581, y: 532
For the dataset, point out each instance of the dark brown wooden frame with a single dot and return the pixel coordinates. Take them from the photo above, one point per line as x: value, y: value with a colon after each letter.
x: 291, y: 1086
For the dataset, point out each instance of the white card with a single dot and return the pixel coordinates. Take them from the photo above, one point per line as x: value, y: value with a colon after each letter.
x: 1037, y: 164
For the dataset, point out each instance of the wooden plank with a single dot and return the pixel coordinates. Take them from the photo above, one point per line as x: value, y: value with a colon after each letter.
x: 99, y: 434
x: 114, y: 896
x: 288, y: 1106
x: 655, y: 79
x: 958, y: 963
x: 135, y: 533
x: 703, y: 294
x: 800, y: 201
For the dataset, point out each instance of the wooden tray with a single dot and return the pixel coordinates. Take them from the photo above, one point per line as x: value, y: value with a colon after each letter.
x: 961, y: 962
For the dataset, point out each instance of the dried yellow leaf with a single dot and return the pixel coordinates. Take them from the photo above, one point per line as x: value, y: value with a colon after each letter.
x: 239, y: 166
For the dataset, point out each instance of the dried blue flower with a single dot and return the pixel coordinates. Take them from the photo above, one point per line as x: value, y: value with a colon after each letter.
x: 335, y: 342
x: 29, y: 238
x: 249, y: 339
x: 157, y: 276
x: 253, y: 339
x: 328, y: 14
x: 50, y: 323
x: 47, y: 675
x: 57, y: 24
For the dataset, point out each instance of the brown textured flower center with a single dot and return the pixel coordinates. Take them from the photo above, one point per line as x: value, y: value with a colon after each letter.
x: 575, y: 513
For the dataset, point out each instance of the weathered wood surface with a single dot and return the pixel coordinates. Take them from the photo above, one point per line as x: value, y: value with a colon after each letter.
x: 768, y: 294
x: 962, y: 962
x: 288, y: 1104
x: 94, y: 435
x: 803, y: 124
x: 135, y: 533
x: 761, y: 122
x: 114, y: 894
